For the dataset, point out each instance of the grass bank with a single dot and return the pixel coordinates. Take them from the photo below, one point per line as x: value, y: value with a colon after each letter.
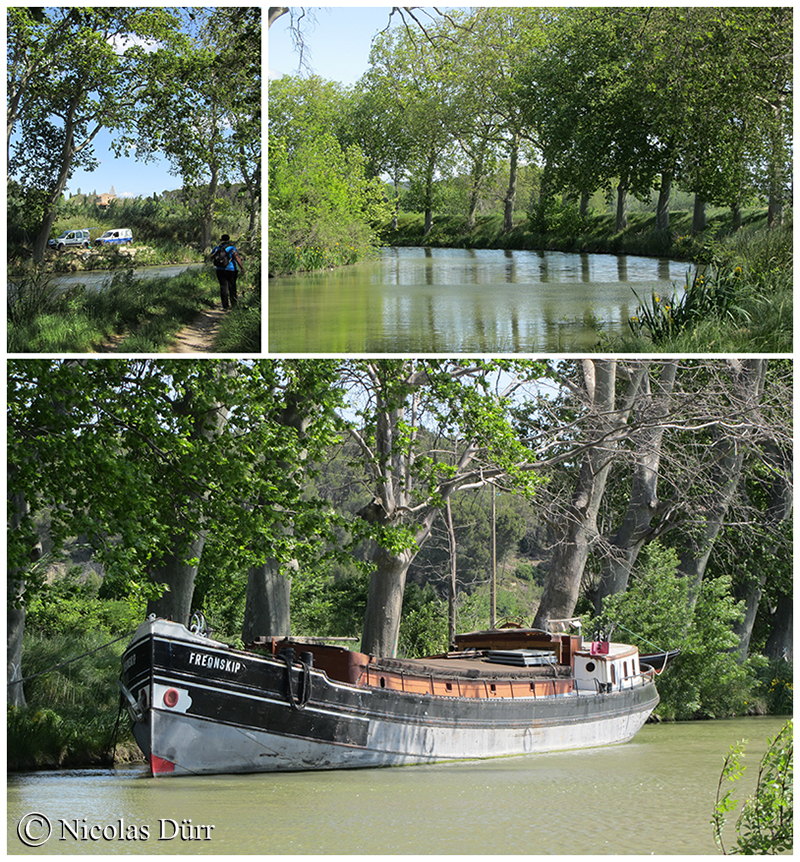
x: 742, y: 303
x: 240, y: 331
x: 137, y: 314
x: 131, y: 315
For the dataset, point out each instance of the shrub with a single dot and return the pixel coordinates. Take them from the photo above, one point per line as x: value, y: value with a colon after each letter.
x: 714, y: 293
x: 766, y: 822
x: 705, y: 680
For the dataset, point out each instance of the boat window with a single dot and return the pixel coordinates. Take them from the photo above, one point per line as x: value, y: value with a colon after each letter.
x: 613, y: 673
x: 590, y: 666
x: 448, y: 686
x: 624, y: 669
x: 383, y: 682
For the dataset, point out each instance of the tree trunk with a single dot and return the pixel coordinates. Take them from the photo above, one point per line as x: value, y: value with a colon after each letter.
x: 452, y: 590
x: 780, y: 643
x: 579, y: 528
x: 15, y: 606
x: 584, y: 205
x: 210, y: 194
x: 744, y: 628
x: 275, y: 12
x: 15, y: 620
x: 177, y: 569
x: 622, y: 206
x: 68, y: 152
x: 699, y: 215
x: 266, y: 612
x: 429, y: 195
x: 385, y: 602
x: 662, y: 207
x: 776, y: 169
x: 779, y: 460
x: 635, y: 528
x: 746, y: 389
x: 267, y: 605
x: 736, y: 217
x: 511, y: 193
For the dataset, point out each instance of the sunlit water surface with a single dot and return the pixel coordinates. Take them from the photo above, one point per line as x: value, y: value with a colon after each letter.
x: 422, y: 300
x: 652, y: 795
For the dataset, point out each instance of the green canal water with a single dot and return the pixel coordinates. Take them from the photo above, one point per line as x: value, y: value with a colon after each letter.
x: 423, y: 300
x: 653, y: 795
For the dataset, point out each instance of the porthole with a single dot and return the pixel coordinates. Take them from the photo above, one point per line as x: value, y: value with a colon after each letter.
x: 383, y: 682
x: 590, y: 666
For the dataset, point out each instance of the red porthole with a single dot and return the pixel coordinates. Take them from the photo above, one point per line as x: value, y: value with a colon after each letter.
x: 171, y: 697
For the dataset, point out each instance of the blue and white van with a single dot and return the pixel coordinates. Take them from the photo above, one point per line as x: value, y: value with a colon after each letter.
x: 115, y: 235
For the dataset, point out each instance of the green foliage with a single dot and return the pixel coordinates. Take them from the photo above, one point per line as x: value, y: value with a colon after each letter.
x: 556, y: 217
x: 714, y: 293
x: 423, y: 627
x: 776, y: 686
x: 705, y: 681
x: 329, y: 600
x: 72, y: 709
x: 765, y: 825
x: 71, y: 604
x: 323, y: 210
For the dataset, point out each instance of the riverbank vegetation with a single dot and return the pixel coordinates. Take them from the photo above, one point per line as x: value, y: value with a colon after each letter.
x: 587, y: 130
x: 129, y: 313
x: 685, y: 542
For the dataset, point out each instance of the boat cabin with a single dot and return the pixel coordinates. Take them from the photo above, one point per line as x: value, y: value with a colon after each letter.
x: 604, y: 667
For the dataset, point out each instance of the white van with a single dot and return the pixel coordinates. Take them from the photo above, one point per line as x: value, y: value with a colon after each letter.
x: 116, y: 235
x: 70, y: 239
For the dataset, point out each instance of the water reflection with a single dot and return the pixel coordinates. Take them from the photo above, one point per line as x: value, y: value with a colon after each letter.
x: 465, y: 300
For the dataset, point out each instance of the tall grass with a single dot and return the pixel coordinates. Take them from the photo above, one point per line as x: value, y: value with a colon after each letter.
x: 240, y: 331
x: 743, y: 301
x: 80, y: 320
x: 72, y: 710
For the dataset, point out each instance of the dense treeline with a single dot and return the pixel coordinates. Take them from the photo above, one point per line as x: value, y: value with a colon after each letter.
x: 571, y: 103
x: 312, y: 496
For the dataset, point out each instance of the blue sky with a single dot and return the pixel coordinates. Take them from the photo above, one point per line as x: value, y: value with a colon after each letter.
x: 129, y: 177
x: 339, y: 42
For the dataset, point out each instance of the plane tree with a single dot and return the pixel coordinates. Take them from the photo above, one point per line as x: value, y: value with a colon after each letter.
x: 665, y: 451
x: 416, y: 73
x: 469, y: 442
x: 162, y: 466
x: 70, y: 73
x: 200, y: 108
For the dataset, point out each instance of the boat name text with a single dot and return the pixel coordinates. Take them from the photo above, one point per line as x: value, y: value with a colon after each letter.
x: 215, y: 662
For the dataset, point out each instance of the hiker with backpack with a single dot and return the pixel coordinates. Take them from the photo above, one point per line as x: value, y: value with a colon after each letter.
x: 225, y: 258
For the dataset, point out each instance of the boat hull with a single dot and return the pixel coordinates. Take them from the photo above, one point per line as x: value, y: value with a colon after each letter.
x: 204, y: 708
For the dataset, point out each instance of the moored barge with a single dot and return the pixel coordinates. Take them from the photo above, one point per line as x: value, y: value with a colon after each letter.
x: 199, y: 706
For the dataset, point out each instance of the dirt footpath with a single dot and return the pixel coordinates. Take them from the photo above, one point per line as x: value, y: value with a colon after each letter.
x: 199, y: 336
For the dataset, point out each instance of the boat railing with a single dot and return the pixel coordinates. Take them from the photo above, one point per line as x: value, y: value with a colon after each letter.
x: 398, y: 679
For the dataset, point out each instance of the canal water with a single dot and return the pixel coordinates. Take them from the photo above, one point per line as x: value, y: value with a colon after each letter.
x: 423, y: 300
x: 99, y: 279
x: 653, y: 795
